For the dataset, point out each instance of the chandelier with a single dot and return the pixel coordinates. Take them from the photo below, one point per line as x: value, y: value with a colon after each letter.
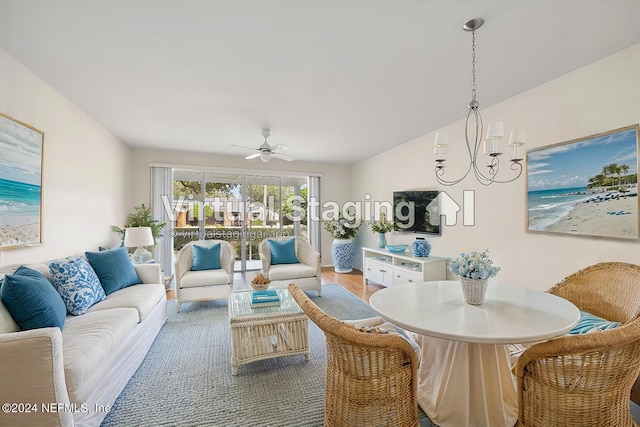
x: 495, y: 132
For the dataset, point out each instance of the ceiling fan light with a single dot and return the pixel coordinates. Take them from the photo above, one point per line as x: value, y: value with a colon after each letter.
x: 264, y: 156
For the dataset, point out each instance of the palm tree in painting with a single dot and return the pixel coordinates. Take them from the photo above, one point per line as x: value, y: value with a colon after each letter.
x: 596, y: 181
x: 607, y: 178
x: 612, y: 169
x: 624, y: 169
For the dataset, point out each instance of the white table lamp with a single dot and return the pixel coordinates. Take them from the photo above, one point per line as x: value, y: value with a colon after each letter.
x: 139, y: 237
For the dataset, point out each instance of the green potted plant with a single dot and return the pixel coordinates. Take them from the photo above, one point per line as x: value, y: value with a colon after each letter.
x: 382, y: 226
x: 141, y: 217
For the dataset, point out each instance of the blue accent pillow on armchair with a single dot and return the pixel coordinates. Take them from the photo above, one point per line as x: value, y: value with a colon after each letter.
x: 205, y: 258
x: 283, y: 252
x: 114, y: 269
x: 32, y: 300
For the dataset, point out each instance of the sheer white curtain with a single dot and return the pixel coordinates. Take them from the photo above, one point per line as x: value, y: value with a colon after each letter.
x: 314, y: 223
x: 162, y: 208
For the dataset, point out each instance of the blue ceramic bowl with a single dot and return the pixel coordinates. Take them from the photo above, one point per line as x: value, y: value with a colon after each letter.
x: 396, y: 248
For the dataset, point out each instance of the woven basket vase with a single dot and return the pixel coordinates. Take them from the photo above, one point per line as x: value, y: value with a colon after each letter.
x: 473, y: 290
x: 260, y: 286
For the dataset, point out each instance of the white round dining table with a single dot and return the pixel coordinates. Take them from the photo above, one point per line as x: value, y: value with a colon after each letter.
x: 465, y: 377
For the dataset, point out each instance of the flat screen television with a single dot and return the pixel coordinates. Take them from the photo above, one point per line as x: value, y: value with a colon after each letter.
x: 416, y: 211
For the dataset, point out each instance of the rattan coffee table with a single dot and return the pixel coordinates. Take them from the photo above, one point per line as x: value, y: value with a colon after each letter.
x: 266, y: 332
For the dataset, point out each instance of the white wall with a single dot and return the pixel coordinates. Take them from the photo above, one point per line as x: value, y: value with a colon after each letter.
x: 335, y: 182
x: 92, y: 180
x: 86, y: 169
x: 600, y: 97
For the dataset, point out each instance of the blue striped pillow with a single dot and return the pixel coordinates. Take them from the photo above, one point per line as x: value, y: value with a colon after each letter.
x: 591, y: 323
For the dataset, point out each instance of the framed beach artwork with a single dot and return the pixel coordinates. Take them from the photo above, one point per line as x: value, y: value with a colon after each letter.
x: 587, y: 187
x: 21, y: 149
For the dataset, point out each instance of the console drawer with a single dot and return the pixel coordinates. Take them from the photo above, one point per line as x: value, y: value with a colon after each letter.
x: 405, y: 276
x: 379, y: 272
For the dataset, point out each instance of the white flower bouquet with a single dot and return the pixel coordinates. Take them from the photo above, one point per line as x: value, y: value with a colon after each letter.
x: 342, y: 228
x: 474, y: 265
x: 382, y: 225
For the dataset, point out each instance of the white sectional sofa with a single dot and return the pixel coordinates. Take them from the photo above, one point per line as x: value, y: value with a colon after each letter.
x: 72, y: 377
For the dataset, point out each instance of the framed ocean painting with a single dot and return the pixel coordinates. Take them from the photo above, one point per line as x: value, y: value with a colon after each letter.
x: 21, y: 156
x: 588, y: 186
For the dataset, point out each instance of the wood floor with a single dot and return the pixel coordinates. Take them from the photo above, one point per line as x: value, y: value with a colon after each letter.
x: 353, y: 282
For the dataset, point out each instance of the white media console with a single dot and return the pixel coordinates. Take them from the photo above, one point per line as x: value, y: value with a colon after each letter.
x: 391, y: 268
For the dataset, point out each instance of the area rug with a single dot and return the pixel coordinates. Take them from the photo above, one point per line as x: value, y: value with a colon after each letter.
x: 185, y: 379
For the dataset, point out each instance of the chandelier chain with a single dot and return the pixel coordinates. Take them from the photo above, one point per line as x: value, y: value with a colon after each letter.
x: 473, y: 66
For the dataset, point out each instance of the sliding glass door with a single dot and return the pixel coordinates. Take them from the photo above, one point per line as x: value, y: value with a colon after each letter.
x: 243, y: 209
x: 271, y: 200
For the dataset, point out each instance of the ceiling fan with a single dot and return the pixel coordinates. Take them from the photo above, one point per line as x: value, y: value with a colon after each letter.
x: 266, y: 151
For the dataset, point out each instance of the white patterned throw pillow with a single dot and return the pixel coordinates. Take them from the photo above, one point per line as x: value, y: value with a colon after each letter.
x: 77, y: 284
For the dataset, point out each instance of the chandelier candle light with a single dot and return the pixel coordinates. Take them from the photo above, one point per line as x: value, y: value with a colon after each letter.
x: 495, y: 132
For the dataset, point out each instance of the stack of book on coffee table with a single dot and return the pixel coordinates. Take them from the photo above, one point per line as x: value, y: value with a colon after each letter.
x: 268, y: 298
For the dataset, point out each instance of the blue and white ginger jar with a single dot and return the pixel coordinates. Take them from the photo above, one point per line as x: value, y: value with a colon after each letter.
x: 343, y: 253
x: 420, y: 248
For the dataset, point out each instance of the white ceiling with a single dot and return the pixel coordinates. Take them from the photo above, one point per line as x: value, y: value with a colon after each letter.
x: 336, y: 80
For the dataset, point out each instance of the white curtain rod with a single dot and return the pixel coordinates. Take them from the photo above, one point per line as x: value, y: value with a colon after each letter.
x: 258, y: 172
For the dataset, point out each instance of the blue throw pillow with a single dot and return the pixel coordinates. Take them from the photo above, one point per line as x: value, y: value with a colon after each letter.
x: 114, y: 269
x: 77, y: 284
x: 591, y: 323
x: 283, y: 252
x: 102, y: 248
x: 31, y: 300
x: 205, y: 258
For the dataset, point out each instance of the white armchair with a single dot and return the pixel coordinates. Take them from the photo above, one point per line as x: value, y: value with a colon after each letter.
x: 305, y: 273
x: 204, y: 284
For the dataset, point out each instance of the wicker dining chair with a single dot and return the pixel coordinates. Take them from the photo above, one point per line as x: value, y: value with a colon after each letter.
x: 371, y: 377
x: 579, y: 380
x: 610, y: 290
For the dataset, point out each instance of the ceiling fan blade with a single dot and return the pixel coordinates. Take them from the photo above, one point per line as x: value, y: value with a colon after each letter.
x: 279, y: 147
x: 286, y: 157
x: 265, y: 151
x: 244, y: 146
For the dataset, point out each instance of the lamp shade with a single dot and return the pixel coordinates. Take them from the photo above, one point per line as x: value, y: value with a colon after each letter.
x: 138, y: 236
x: 442, y: 139
x: 495, y: 130
x: 265, y: 156
x: 517, y: 138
